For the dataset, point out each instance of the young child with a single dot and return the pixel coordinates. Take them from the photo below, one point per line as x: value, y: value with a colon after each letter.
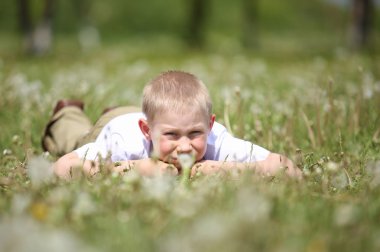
x: 177, y: 119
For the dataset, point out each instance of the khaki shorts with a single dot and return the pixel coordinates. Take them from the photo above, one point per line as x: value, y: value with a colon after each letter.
x: 70, y: 128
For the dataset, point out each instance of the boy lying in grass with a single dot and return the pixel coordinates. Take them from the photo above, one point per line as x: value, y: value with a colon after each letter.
x: 177, y: 119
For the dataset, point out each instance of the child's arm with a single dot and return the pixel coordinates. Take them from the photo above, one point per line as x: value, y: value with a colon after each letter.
x: 148, y: 167
x: 271, y: 165
x: 65, y: 164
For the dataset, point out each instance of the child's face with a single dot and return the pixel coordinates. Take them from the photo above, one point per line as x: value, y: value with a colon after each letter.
x: 173, y: 134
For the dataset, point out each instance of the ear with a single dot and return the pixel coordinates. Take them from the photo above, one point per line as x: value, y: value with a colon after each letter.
x: 212, y: 120
x: 144, y: 127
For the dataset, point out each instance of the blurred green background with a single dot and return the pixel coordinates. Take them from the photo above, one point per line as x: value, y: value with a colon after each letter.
x: 313, y: 26
x: 291, y: 76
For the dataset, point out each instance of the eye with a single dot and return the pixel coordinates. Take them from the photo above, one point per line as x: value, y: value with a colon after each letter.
x: 195, y: 133
x: 170, y: 134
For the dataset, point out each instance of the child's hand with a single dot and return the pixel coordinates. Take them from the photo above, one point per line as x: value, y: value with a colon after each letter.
x: 272, y: 165
x: 206, y: 167
x: 146, y: 167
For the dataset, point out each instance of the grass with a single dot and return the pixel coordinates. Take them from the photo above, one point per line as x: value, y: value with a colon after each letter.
x: 322, y: 110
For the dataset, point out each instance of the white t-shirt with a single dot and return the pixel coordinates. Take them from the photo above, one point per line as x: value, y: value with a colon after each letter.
x: 123, y: 140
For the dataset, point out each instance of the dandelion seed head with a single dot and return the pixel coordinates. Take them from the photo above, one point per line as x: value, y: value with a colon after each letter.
x: 332, y: 166
x: 226, y: 94
x: 40, y: 170
x: 158, y: 187
x: 84, y: 205
x: 58, y: 195
x: 373, y: 170
x: 210, y: 229
x: 318, y: 170
x: 7, y: 152
x: 16, y: 139
x: 345, y: 215
x: 185, y: 205
x: 24, y: 234
x: 340, y: 180
x: 206, y: 234
x: 20, y: 203
x: 367, y: 92
x: 252, y: 206
x: 186, y: 160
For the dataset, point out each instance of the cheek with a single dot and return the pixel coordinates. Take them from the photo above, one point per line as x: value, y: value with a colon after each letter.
x: 200, y: 146
x: 165, y: 147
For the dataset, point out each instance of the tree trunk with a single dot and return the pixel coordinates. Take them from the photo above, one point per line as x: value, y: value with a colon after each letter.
x: 250, y: 23
x: 24, y: 17
x: 362, y: 14
x: 38, y: 39
x: 88, y: 35
x: 195, y: 36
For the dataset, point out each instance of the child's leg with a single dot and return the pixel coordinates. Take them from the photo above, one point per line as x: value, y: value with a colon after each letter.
x: 103, y: 120
x: 65, y: 128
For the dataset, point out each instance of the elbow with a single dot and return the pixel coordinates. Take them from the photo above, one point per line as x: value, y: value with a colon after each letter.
x: 279, y: 162
x: 291, y: 169
x: 64, y: 164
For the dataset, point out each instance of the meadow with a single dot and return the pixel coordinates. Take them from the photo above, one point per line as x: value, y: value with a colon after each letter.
x: 321, y: 109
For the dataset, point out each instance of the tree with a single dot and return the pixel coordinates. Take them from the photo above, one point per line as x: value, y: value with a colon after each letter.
x: 362, y: 16
x: 250, y: 23
x: 38, y: 38
x: 195, y: 36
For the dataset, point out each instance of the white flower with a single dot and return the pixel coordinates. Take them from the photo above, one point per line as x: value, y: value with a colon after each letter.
x: 39, y: 170
x: 208, y: 233
x: 83, y: 205
x: 345, y: 215
x: 340, y: 180
x: 158, y: 187
x: 20, y: 203
x: 7, y: 152
x: 24, y: 234
x: 373, y: 169
x: 186, y: 160
x: 253, y: 206
x: 332, y: 166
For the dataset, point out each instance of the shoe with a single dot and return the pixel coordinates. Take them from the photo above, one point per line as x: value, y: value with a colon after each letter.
x: 65, y: 103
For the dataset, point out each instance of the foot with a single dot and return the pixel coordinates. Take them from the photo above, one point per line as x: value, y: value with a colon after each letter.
x: 65, y: 103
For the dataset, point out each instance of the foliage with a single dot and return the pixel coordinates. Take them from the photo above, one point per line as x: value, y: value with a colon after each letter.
x: 320, y: 110
x: 123, y: 18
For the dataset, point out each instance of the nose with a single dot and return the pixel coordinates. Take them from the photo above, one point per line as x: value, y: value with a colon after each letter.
x: 184, y: 145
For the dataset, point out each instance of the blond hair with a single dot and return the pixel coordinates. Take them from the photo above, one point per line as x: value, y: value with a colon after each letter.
x: 175, y: 91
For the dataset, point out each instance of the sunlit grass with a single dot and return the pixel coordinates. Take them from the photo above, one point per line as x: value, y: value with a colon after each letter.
x: 323, y: 112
